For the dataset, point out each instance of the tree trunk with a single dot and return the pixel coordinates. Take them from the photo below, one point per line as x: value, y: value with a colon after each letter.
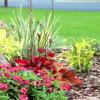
x: 6, y: 3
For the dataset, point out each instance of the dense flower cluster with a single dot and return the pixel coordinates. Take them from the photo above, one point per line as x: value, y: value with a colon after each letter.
x: 39, y: 72
x: 3, y: 86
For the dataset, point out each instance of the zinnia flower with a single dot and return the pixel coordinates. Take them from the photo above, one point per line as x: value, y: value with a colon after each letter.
x: 17, y: 78
x: 48, y: 83
x: 23, y: 97
x: 24, y: 90
x: 3, y: 86
x: 7, y: 75
x: 66, y: 87
x: 25, y: 82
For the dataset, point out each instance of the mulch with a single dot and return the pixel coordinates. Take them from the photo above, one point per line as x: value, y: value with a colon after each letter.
x: 90, y: 90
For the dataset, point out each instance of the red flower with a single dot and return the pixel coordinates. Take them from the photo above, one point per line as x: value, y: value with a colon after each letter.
x: 47, y: 62
x: 41, y: 50
x: 43, y: 59
x: 24, y: 90
x: 23, y: 97
x: 22, y: 62
x: 66, y: 87
x: 50, y: 54
x: 63, y: 70
x: 36, y: 59
x: 54, y: 70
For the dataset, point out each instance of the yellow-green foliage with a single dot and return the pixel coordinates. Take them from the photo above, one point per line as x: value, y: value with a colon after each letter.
x: 81, y: 54
x: 8, y: 45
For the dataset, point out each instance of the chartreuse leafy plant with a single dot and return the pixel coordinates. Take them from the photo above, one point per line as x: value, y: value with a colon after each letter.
x: 81, y: 55
x: 33, y: 34
x: 8, y: 46
x: 97, y: 48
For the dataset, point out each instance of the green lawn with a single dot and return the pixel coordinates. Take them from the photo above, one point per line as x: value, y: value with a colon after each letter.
x: 74, y: 24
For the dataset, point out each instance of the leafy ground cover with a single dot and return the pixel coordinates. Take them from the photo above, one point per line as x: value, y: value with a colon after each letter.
x: 74, y: 24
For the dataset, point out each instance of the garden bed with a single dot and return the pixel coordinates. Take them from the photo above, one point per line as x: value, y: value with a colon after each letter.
x: 31, y: 67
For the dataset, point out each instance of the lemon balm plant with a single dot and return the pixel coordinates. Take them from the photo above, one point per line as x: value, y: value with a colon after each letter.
x: 81, y: 55
x: 8, y: 46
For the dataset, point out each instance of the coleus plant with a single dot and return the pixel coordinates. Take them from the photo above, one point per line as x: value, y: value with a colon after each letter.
x: 45, y: 63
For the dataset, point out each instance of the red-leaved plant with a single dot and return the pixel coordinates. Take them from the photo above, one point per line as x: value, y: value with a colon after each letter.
x: 45, y: 62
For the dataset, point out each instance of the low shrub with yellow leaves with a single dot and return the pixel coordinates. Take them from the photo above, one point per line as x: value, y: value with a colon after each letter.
x: 8, y: 46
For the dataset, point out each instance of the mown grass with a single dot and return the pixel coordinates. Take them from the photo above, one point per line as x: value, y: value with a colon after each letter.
x: 74, y: 24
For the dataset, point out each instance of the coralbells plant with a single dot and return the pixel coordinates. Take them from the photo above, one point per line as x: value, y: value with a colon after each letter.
x: 33, y: 34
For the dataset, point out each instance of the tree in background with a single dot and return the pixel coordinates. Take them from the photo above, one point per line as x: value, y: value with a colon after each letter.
x: 6, y: 3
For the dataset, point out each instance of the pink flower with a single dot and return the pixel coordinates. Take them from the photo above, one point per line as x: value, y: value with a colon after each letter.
x: 23, y: 97
x: 5, y: 65
x: 25, y: 82
x: 3, y: 86
x: 42, y: 72
x: 17, y: 69
x: 66, y: 87
x: 7, y: 75
x: 50, y: 89
x: 37, y: 83
x: 48, y: 83
x: 34, y: 83
x: 17, y: 78
x: 44, y: 77
x: 24, y: 90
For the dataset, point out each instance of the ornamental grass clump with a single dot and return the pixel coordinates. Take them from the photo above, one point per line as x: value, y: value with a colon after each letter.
x: 34, y: 34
